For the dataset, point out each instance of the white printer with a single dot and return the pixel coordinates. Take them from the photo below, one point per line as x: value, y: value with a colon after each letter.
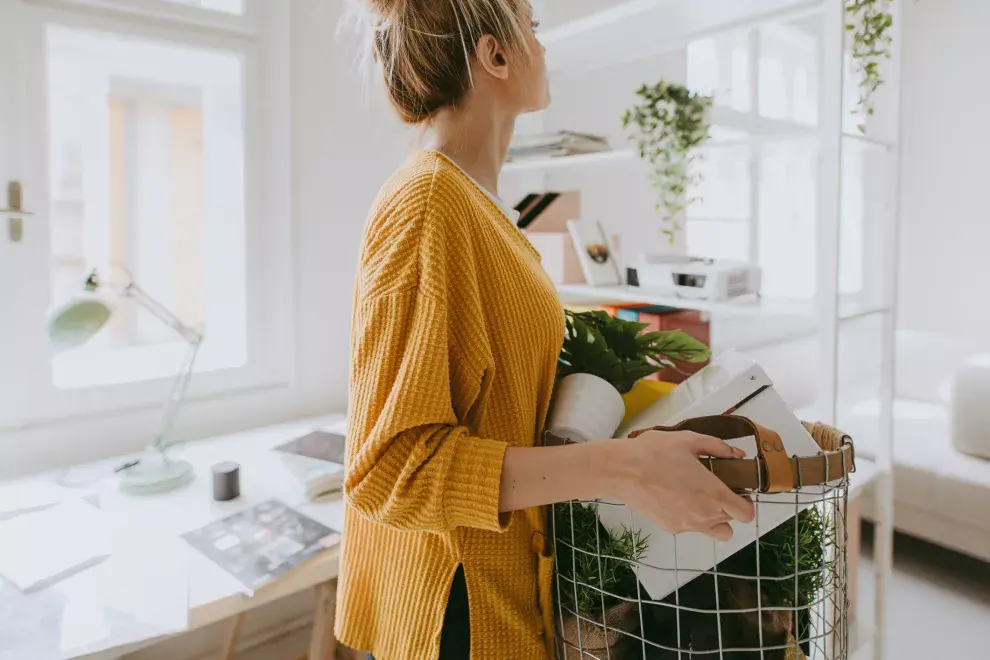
x: 695, y: 278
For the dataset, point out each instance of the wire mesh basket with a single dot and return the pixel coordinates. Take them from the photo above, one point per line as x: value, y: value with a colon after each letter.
x: 781, y: 597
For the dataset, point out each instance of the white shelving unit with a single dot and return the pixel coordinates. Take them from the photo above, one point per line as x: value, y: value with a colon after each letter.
x: 629, y: 32
x: 582, y: 294
x: 564, y: 162
x: 636, y: 29
x: 629, y: 156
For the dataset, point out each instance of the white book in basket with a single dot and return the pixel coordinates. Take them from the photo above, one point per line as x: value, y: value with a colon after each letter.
x: 730, y: 380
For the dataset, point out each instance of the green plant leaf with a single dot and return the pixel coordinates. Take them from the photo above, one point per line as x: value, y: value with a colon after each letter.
x: 620, y: 351
x: 668, y: 123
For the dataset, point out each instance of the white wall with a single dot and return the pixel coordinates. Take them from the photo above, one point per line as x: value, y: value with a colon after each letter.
x: 345, y: 143
x: 945, y: 224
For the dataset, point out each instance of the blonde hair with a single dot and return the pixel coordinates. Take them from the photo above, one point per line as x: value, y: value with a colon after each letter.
x: 424, y: 48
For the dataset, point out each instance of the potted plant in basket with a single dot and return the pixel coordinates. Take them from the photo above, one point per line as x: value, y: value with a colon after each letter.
x: 597, y: 583
x: 796, y: 548
x: 602, y: 358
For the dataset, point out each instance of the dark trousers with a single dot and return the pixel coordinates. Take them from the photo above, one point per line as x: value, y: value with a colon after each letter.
x: 455, y: 640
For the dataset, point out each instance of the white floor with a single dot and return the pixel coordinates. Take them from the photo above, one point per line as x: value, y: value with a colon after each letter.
x: 939, y: 608
x: 939, y: 604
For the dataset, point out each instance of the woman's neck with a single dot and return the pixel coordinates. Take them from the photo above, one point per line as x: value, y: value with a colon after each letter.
x: 477, y: 138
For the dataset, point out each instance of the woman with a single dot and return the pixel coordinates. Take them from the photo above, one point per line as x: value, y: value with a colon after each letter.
x: 456, y: 334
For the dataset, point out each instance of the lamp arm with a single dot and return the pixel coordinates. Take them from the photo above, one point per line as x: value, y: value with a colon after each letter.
x: 175, y: 398
x: 181, y: 383
x: 162, y: 313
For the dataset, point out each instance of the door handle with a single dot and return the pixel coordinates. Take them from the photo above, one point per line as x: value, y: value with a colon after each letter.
x: 15, y: 211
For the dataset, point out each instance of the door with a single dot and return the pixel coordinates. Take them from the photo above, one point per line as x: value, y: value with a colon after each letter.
x: 16, y: 229
x: 135, y: 130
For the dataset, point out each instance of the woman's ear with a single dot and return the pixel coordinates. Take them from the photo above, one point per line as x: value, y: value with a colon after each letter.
x: 492, y: 57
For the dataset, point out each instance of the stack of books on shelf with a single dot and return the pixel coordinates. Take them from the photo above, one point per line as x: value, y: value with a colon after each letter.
x: 558, y: 143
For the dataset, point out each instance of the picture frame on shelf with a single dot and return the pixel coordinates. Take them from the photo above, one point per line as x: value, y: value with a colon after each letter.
x: 596, y: 254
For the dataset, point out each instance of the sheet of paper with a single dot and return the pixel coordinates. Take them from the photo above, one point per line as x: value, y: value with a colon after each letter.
x: 141, y: 592
x: 40, y: 548
x: 20, y: 498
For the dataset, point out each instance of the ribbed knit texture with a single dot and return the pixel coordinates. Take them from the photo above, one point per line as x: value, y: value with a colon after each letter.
x: 455, y: 338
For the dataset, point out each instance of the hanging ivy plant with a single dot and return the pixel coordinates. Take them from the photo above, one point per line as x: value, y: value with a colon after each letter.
x: 869, y: 22
x: 667, y: 124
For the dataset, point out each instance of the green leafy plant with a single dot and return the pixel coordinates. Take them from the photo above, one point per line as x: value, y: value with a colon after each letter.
x: 667, y: 124
x: 596, y: 567
x: 620, y: 352
x: 796, y: 549
x: 793, y: 564
x: 869, y: 23
x: 785, y: 570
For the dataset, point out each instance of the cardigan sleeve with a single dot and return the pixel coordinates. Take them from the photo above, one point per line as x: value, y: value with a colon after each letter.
x: 411, y: 465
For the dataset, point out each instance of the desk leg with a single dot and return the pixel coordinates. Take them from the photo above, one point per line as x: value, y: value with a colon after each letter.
x: 229, y: 649
x: 323, y: 645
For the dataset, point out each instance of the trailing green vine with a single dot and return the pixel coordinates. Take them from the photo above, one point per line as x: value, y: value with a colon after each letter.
x: 667, y: 125
x: 869, y: 22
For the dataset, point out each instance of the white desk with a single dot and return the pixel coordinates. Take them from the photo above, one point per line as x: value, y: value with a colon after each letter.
x: 213, y: 594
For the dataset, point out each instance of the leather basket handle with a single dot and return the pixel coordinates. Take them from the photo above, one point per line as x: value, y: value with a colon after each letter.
x: 772, y: 471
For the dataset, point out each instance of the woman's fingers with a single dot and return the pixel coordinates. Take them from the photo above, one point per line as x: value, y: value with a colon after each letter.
x: 720, y: 532
x: 706, y: 445
x: 736, y: 506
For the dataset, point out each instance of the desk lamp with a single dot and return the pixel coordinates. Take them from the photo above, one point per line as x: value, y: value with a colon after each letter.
x: 73, y: 322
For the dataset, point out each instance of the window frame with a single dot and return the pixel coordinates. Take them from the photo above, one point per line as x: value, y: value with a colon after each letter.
x: 268, y: 274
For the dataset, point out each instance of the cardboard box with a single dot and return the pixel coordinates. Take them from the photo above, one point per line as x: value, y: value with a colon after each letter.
x: 543, y: 217
x: 732, y: 382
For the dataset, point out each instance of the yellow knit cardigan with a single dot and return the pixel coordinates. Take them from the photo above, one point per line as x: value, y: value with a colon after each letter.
x: 455, y: 338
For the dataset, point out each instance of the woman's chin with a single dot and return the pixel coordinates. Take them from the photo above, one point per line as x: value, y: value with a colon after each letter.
x: 540, y: 105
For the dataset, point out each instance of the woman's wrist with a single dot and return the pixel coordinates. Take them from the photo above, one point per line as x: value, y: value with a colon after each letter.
x: 609, y: 466
x: 539, y: 476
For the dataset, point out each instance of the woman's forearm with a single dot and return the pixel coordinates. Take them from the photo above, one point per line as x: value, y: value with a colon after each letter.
x: 537, y: 476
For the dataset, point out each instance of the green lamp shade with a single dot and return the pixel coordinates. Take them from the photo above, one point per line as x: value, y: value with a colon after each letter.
x: 74, y: 321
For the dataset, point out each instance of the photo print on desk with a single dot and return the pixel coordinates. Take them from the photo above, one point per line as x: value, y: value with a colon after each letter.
x: 259, y: 545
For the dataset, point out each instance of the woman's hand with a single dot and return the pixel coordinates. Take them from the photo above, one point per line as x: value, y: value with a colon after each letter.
x: 659, y: 475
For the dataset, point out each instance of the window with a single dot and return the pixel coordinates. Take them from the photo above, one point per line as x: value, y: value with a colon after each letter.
x: 154, y: 161
x: 787, y: 222
x: 147, y: 171
x: 788, y: 72
x: 719, y: 66
x: 760, y: 192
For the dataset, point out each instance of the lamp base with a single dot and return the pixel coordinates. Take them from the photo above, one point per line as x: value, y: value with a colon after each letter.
x: 156, y: 475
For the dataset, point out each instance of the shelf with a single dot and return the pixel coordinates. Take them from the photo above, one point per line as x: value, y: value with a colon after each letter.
x: 605, y: 295
x: 636, y: 29
x: 763, y: 129
x: 566, y: 162
x: 866, y: 140
x: 758, y: 127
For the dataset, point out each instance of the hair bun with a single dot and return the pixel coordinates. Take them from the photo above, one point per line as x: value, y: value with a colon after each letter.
x: 385, y: 8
